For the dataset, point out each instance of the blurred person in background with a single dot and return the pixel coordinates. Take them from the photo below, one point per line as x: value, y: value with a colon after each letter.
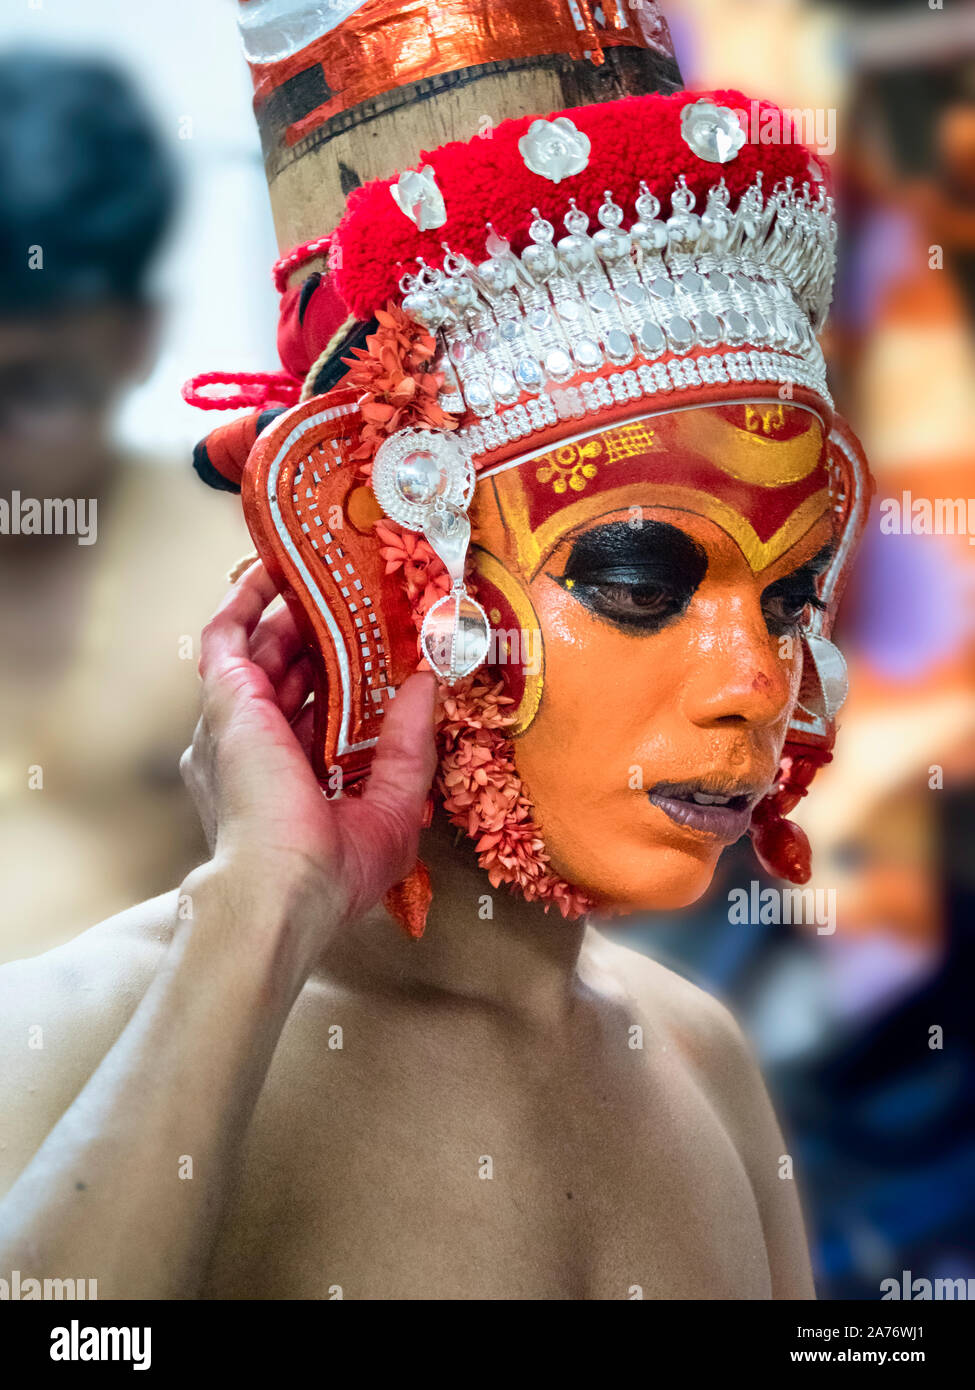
x: 99, y: 624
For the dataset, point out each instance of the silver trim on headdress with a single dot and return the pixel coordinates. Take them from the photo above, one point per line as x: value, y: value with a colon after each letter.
x: 757, y: 280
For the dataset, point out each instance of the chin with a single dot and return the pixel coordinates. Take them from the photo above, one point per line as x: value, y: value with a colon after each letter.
x: 654, y: 879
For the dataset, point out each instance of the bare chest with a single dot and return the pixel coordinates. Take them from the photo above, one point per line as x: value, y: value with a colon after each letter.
x: 449, y: 1165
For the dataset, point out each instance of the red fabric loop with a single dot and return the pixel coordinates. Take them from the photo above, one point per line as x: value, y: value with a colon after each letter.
x: 307, y: 323
x: 255, y: 389
x: 298, y: 256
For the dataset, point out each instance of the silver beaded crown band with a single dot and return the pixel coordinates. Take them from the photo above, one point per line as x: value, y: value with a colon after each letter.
x: 695, y: 300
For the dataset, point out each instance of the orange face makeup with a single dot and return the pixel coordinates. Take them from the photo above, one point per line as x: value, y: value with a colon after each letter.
x: 666, y: 568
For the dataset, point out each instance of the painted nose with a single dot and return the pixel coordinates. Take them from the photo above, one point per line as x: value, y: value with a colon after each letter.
x: 737, y: 675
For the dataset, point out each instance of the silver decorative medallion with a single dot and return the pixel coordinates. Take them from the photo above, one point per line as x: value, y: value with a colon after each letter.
x: 413, y: 469
x: 713, y: 132
x: 417, y: 196
x: 455, y: 635
x: 423, y: 480
x: 554, y: 149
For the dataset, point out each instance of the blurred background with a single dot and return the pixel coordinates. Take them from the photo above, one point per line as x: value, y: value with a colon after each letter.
x: 126, y: 136
x: 866, y: 1034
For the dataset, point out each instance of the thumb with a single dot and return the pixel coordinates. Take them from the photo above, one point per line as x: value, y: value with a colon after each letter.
x: 405, y: 757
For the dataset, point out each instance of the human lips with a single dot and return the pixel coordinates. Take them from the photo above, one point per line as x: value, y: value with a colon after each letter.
x: 722, y: 811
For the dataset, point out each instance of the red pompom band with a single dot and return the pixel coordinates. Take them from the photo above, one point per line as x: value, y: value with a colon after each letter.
x: 632, y: 138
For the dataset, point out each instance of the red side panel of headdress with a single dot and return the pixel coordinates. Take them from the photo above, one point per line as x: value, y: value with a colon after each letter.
x: 311, y: 518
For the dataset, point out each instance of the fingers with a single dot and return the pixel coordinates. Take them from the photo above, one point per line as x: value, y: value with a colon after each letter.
x: 230, y: 677
x: 405, y: 757
x: 382, y: 826
x: 226, y: 637
x: 304, y: 728
x: 295, y: 686
x: 276, y: 643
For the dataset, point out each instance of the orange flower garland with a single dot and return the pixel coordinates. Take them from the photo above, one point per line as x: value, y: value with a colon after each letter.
x: 399, y: 386
x: 424, y: 573
x: 483, y: 795
x: 478, y: 781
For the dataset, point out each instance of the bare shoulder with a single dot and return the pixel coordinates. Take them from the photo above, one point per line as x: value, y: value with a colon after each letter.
x: 102, y: 972
x: 702, y: 1028
x: 61, y: 1012
x: 722, y: 1061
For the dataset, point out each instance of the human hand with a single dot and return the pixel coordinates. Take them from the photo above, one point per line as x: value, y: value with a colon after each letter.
x: 248, y: 769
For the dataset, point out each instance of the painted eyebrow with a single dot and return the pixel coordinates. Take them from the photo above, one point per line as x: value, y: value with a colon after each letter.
x: 617, y: 544
x: 817, y: 565
x: 822, y: 560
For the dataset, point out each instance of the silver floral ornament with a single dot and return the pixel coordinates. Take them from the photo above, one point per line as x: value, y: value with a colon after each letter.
x: 417, y: 196
x: 413, y: 469
x: 712, y: 132
x: 554, y: 149
x: 423, y: 480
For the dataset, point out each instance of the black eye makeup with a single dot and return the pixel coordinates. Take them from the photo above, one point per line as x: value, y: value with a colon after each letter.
x: 638, y: 577
x: 786, y: 602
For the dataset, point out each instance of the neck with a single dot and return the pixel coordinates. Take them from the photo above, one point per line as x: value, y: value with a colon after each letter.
x: 481, y: 943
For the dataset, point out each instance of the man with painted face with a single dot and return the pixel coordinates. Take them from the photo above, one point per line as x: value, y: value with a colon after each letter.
x: 595, y: 485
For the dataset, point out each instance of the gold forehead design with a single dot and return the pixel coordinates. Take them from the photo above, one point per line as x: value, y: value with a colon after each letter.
x: 752, y: 454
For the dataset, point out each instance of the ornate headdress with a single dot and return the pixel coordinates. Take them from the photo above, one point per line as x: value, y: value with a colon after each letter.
x: 504, y: 333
